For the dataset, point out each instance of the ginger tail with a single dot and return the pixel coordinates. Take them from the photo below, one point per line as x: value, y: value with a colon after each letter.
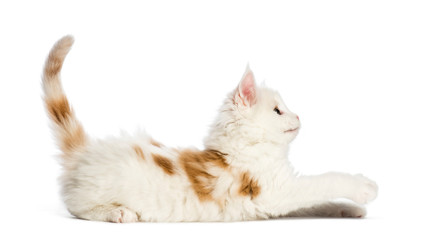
x: 69, y: 133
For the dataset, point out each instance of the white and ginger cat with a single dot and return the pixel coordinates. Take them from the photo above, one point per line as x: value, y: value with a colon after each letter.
x: 243, y: 173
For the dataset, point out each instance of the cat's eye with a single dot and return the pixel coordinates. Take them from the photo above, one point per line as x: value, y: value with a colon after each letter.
x: 276, y: 109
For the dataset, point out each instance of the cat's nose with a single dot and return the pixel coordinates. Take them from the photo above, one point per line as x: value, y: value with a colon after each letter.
x: 297, y: 117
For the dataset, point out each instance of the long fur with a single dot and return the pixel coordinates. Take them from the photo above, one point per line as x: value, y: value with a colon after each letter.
x: 242, y: 174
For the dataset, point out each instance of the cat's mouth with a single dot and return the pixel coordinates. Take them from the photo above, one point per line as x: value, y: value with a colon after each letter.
x: 291, y: 130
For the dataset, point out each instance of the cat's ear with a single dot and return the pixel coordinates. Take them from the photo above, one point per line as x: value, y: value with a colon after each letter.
x: 246, y: 92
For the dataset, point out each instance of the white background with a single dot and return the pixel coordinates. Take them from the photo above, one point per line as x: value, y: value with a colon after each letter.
x: 360, y: 75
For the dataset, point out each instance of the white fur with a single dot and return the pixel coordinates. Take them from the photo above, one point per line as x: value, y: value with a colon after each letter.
x: 105, y: 181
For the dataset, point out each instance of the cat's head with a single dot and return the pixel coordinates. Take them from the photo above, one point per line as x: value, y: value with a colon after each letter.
x: 253, y: 114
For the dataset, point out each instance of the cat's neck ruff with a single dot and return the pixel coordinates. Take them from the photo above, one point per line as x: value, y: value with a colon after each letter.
x: 247, y: 154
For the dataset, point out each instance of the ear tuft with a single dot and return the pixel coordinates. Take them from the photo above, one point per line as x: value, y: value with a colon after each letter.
x: 246, y: 93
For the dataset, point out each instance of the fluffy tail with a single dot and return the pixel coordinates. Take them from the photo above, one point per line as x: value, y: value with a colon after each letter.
x: 68, y: 131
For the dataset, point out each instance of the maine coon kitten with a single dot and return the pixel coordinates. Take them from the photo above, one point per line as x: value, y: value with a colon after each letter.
x: 243, y: 173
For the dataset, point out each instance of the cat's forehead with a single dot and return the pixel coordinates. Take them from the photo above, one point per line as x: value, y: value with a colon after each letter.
x: 270, y: 96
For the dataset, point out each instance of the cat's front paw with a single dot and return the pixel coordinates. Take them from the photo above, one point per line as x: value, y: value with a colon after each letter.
x: 366, y: 190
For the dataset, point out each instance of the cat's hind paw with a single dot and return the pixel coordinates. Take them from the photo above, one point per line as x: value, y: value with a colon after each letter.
x: 122, y: 215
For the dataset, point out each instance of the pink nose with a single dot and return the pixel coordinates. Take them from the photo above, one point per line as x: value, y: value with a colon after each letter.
x: 297, y: 117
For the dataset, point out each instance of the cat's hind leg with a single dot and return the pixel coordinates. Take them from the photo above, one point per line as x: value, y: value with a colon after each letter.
x: 110, y: 213
x: 331, y: 210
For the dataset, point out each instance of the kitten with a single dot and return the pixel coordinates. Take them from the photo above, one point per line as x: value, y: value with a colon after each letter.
x: 243, y: 173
